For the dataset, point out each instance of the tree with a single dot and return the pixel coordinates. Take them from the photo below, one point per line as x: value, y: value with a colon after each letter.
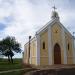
x: 8, y: 46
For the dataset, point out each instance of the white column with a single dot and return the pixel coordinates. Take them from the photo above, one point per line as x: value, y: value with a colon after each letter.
x: 49, y: 46
x: 37, y: 49
x: 73, y: 50
x: 64, y: 45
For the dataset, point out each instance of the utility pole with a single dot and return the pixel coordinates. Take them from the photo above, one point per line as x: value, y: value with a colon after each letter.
x: 74, y: 39
x: 29, y: 49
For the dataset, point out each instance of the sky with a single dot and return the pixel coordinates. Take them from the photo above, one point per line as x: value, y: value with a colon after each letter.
x: 21, y: 18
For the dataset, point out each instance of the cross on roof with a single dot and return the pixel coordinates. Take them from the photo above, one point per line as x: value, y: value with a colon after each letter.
x: 54, y: 7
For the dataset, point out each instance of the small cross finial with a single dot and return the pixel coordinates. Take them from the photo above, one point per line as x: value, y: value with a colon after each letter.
x: 54, y: 7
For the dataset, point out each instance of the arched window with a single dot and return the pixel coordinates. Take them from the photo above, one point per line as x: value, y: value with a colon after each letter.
x: 43, y: 45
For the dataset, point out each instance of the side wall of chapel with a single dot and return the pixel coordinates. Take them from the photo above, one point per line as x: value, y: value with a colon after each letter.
x: 26, y: 54
x: 44, y: 51
x: 32, y: 52
x: 69, y: 48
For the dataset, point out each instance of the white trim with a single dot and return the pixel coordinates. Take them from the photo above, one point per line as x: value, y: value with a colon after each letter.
x: 45, y: 26
x: 64, y: 45
x: 38, y: 49
x: 73, y: 50
x: 49, y: 46
x: 50, y: 23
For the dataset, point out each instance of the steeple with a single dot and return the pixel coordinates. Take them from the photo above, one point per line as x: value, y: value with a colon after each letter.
x: 54, y: 7
x: 54, y: 14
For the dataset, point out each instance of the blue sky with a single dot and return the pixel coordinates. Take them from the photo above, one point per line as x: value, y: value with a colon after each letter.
x: 21, y: 18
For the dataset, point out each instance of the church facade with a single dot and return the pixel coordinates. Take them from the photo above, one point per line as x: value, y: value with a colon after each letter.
x: 52, y: 44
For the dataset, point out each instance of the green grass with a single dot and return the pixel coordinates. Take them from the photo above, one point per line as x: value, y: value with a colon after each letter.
x: 14, y: 73
x: 17, y: 64
x: 21, y: 72
x: 5, y: 65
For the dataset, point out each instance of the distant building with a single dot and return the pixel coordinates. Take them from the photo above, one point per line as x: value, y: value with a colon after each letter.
x: 53, y: 44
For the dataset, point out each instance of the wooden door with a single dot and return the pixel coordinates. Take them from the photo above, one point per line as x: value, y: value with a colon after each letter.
x: 57, y: 54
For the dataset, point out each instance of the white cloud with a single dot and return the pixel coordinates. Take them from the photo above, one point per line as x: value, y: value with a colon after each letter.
x: 30, y: 15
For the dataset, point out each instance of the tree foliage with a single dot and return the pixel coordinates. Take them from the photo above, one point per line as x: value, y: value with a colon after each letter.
x: 8, y: 46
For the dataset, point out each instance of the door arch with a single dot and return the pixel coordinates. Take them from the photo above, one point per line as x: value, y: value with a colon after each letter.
x: 57, y: 54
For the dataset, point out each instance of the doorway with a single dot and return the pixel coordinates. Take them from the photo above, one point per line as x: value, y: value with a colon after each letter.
x: 57, y: 54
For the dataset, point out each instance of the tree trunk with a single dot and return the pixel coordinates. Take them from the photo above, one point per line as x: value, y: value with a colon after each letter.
x: 8, y: 58
x: 11, y: 59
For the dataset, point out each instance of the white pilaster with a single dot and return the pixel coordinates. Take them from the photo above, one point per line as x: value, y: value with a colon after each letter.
x: 37, y: 49
x: 64, y: 45
x: 49, y: 46
x: 73, y: 50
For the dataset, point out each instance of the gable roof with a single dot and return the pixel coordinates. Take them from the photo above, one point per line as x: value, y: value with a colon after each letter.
x: 50, y: 23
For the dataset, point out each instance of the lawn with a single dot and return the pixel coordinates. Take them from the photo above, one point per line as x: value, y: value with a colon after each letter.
x: 14, y: 73
x: 17, y: 64
x: 21, y: 72
x: 5, y: 65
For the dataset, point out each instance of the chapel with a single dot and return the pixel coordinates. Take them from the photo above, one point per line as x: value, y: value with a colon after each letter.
x: 52, y: 44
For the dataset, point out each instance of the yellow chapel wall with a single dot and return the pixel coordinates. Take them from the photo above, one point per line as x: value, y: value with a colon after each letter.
x: 57, y: 38
x: 69, y: 51
x: 26, y: 54
x: 44, y: 52
x: 32, y: 52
